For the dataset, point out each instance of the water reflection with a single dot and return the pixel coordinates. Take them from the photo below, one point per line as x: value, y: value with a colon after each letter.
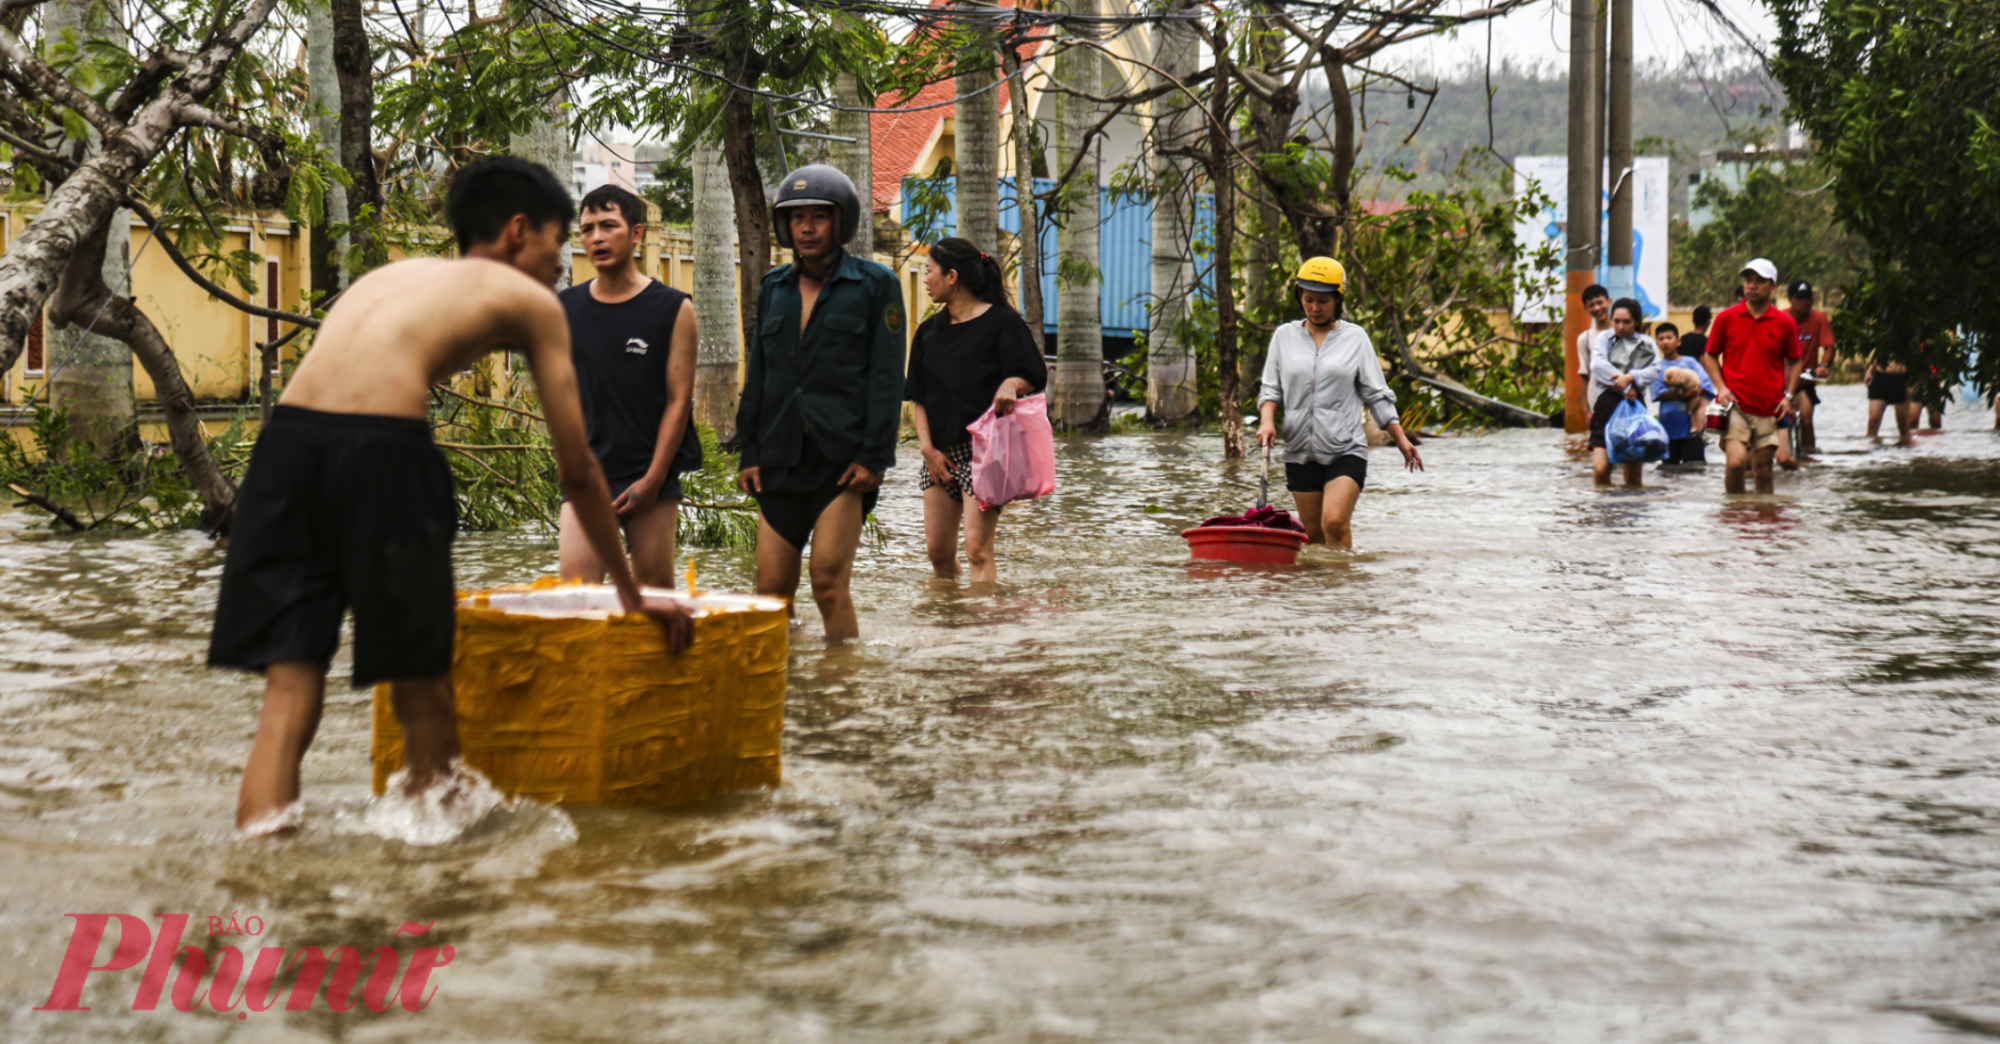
x: 1538, y: 762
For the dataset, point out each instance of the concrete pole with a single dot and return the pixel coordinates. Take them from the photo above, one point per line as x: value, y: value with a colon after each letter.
x: 1580, y: 232
x: 1619, y: 276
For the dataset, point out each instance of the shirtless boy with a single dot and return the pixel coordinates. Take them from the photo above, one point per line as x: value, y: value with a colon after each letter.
x: 632, y: 340
x: 348, y: 503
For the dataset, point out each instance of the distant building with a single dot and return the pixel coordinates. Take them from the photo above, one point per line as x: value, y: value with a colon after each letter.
x: 1732, y: 168
x: 600, y: 163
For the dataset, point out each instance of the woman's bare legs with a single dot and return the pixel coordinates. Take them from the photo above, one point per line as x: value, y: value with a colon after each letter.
x: 941, y: 520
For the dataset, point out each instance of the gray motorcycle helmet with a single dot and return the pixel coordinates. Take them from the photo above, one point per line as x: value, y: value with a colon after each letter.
x: 821, y: 185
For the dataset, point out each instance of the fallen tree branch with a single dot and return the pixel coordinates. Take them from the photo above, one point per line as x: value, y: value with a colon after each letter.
x: 83, y: 299
x: 491, y: 405
x: 61, y: 513
x: 214, y: 290
x: 505, y: 481
x: 489, y: 446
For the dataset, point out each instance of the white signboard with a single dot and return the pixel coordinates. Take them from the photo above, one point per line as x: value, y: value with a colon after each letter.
x: 1649, y: 230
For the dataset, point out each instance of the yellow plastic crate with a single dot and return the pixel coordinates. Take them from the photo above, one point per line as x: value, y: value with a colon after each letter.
x: 561, y: 698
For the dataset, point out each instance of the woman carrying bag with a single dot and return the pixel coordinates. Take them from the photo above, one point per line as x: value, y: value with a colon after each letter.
x: 974, y: 353
x: 1324, y: 373
x: 1623, y: 365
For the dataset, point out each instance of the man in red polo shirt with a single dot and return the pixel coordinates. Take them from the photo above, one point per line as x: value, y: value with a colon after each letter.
x: 1754, y: 359
x: 1816, y: 342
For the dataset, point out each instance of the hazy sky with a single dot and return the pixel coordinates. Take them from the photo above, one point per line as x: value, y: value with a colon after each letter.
x: 1540, y: 32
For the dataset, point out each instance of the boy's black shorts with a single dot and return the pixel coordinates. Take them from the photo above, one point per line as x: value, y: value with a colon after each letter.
x: 339, y: 510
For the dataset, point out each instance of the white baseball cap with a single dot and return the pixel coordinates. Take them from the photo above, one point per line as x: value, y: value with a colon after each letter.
x: 1763, y: 267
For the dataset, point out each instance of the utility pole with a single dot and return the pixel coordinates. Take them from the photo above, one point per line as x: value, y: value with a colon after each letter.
x: 1580, y: 232
x: 1620, y: 279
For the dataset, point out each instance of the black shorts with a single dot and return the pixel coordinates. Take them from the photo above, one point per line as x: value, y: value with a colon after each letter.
x: 1810, y: 389
x: 1600, y: 415
x: 1889, y: 387
x: 794, y: 496
x: 1313, y: 477
x: 340, y: 510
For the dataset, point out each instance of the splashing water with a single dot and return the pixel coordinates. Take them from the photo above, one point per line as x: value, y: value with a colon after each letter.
x: 282, y: 821
x: 437, y: 815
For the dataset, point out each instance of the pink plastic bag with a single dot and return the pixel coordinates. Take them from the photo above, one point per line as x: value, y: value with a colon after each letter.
x: 1013, y: 457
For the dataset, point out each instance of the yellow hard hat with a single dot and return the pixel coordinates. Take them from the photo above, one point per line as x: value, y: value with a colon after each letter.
x: 1323, y: 274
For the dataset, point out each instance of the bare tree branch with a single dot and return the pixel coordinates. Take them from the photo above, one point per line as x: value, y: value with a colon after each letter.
x: 54, y: 84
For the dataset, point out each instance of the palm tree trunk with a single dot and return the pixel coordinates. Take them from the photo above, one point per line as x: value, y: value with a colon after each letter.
x: 90, y: 376
x: 1222, y: 178
x: 977, y: 144
x: 1172, y: 396
x: 855, y: 160
x: 1077, y: 379
x: 717, y: 357
x: 323, y: 87
x: 1029, y: 241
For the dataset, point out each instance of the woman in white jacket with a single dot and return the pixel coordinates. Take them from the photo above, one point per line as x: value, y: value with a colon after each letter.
x: 1324, y: 373
x: 1623, y: 365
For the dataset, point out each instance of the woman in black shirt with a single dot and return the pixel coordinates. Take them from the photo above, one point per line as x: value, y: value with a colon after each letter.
x: 974, y: 352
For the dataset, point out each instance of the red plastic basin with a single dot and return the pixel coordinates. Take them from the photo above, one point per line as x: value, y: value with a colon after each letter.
x: 1254, y: 545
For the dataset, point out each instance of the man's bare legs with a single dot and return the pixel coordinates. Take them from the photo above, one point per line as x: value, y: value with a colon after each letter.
x: 1802, y: 409
x: 428, y: 714
x: 650, y: 533
x: 294, y: 693
x: 1739, y: 459
x: 836, y: 537
x: 1329, y: 514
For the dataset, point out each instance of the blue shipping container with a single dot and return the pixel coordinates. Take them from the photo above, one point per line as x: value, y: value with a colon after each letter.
x: 1124, y: 244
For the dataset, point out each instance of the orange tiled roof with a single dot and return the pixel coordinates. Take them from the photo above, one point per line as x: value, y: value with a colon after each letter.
x: 897, y: 139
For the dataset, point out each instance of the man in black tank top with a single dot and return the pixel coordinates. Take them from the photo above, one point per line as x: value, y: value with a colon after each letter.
x: 633, y: 342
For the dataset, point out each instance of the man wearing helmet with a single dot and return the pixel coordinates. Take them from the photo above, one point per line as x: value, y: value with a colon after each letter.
x: 1324, y: 373
x: 822, y: 394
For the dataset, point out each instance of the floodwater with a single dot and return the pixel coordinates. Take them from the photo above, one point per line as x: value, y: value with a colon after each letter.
x: 1538, y: 763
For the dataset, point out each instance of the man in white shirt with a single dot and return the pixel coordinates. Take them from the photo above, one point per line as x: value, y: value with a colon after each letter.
x: 1596, y: 301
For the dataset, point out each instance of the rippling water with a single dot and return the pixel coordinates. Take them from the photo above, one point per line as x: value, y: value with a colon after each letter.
x: 1537, y: 763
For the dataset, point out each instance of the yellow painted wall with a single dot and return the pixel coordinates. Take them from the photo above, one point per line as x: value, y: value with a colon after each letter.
x: 215, y: 342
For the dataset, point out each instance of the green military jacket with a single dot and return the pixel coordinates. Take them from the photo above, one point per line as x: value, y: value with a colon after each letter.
x: 840, y: 381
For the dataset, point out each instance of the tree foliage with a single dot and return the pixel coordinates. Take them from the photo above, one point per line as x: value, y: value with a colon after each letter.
x: 1902, y: 97
x: 1783, y: 212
